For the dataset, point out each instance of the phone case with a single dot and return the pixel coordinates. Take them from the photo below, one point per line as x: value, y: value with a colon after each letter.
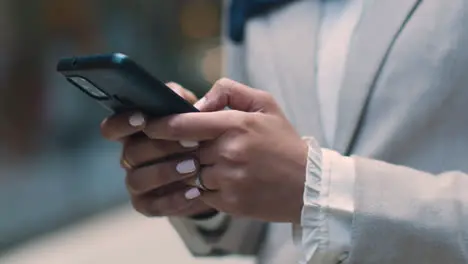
x: 120, y: 85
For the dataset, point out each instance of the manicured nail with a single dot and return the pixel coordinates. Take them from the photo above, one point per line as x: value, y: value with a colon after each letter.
x: 137, y: 120
x: 186, y: 167
x: 176, y: 88
x: 200, y: 103
x: 188, y: 143
x: 192, y: 194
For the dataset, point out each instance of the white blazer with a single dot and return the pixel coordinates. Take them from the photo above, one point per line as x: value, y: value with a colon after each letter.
x: 402, y: 118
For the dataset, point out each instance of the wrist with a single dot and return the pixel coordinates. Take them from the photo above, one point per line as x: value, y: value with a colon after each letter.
x: 297, y: 192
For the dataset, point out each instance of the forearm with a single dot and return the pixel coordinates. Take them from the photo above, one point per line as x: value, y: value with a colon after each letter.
x: 394, y: 214
x: 408, y: 216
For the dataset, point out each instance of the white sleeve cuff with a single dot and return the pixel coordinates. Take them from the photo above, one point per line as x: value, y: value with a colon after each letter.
x: 213, y: 223
x: 220, y: 233
x: 328, y: 206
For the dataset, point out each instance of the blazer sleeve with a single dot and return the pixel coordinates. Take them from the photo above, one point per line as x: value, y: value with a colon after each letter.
x: 407, y: 216
x: 220, y: 235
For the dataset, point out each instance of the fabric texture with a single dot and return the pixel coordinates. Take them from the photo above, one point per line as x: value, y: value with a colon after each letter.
x: 337, y: 25
x: 328, y: 208
x: 404, y: 103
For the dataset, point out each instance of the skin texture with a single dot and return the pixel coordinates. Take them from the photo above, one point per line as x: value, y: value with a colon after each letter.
x: 250, y: 156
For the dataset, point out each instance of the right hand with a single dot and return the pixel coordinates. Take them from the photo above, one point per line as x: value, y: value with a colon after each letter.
x: 163, y: 195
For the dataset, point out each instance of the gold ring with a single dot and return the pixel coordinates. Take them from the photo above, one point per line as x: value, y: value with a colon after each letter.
x: 126, y: 164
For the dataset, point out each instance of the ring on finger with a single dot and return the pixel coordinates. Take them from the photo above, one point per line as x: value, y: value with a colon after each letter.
x: 126, y: 164
x: 199, y: 183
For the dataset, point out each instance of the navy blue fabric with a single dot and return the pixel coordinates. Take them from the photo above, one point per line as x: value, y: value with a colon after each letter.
x: 242, y: 10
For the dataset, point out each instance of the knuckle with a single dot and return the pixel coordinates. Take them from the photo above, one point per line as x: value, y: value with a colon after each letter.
x: 234, y: 152
x: 230, y: 200
x: 247, y: 121
x: 236, y: 205
x: 154, y: 209
x: 163, y: 148
x: 173, y: 126
x: 105, y: 129
x: 268, y: 99
x: 224, y: 83
x: 167, y: 205
x: 173, y: 203
x: 238, y: 177
x: 145, y: 207
x: 134, y: 184
x: 131, y: 185
x: 151, y: 178
x: 265, y: 95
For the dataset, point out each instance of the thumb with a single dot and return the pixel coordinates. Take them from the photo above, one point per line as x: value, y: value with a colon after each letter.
x: 237, y: 96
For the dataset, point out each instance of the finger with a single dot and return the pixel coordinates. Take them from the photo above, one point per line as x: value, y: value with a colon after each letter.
x: 191, y: 182
x: 209, y: 153
x: 213, y: 199
x: 194, y: 126
x: 237, y: 96
x: 123, y: 125
x: 211, y: 176
x: 139, y: 150
x: 182, y: 92
x: 174, y: 204
x: 147, y: 179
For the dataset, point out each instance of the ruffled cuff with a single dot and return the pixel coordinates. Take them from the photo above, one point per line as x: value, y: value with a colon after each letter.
x: 328, y: 206
x: 314, y: 232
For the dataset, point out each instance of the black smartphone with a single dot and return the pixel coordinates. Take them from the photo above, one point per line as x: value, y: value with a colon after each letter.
x: 119, y: 84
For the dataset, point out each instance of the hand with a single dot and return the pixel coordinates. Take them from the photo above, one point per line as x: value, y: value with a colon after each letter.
x: 254, y: 163
x: 139, y: 154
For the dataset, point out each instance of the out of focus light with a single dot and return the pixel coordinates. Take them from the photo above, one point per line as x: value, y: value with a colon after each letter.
x: 211, y: 64
x: 199, y: 19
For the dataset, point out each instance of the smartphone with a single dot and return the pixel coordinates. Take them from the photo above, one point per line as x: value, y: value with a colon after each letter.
x: 119, y: 84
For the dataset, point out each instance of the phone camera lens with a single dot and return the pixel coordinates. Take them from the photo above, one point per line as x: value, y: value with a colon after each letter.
x: 88, y: 88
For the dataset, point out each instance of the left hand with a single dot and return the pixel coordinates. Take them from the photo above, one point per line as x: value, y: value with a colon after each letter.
x: 253, y: 161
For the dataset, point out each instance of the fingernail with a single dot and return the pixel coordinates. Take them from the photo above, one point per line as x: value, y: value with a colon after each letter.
x: 137, y: 120
x: 186, y: 167
x: 176, y: 88
x: 192, y: 194
x: 188, y: 143
x: 200, y: 103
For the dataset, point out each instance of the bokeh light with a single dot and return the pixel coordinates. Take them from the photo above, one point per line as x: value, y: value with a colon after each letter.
x: 211, y: 64
x: 199, y: 19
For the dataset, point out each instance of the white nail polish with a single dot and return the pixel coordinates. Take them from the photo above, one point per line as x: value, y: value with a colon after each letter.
x: 186, y: 167
x: 137, y: 120
x: 200, y: 103
x: 177, y: 89
x: 192, y: 194
x: 188, y: 143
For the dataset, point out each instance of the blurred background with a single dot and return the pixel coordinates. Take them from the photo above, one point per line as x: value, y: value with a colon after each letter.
x: 58, y: 179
